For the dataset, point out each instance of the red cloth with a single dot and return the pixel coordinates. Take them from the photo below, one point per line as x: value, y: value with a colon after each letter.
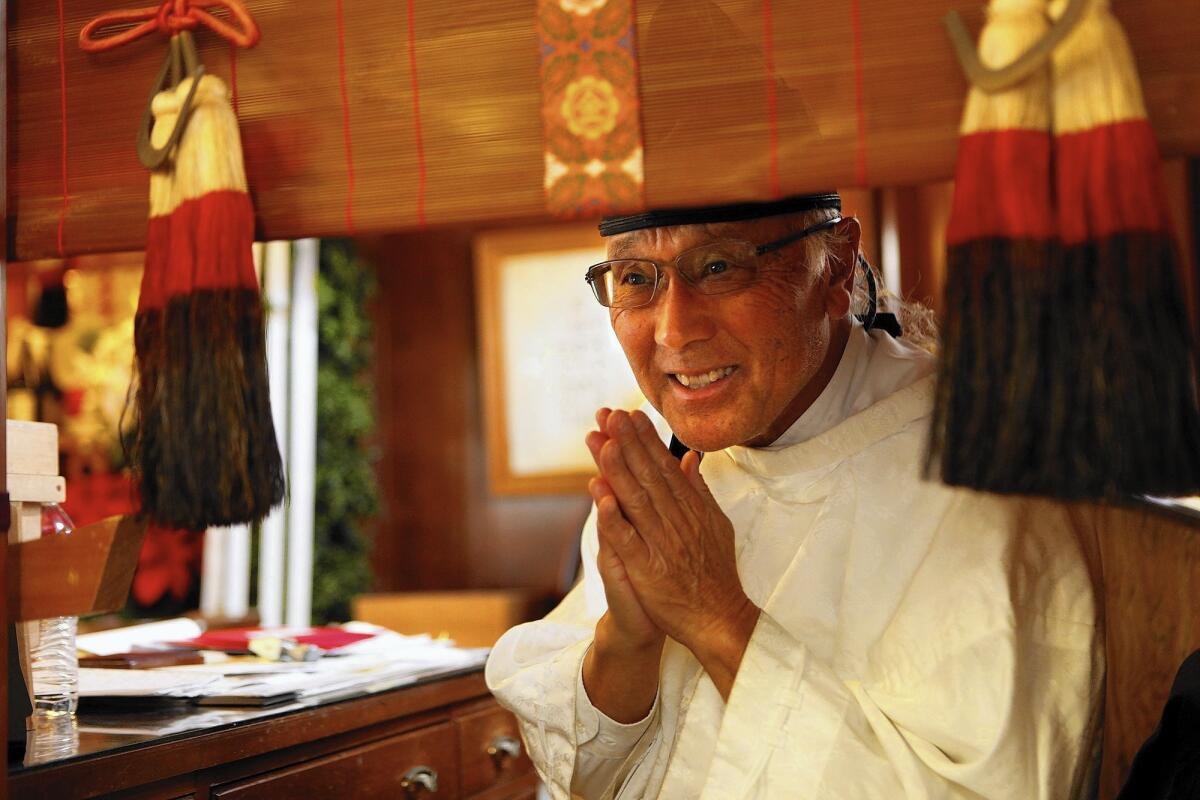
x: 239, y: 638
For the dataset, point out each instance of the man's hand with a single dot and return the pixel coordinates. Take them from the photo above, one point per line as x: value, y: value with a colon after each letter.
x: 626, y: 616
x: 620, y: 672
x: 673, y: 544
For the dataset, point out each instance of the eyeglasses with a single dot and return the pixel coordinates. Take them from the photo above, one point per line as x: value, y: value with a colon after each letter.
x: 719, y: 267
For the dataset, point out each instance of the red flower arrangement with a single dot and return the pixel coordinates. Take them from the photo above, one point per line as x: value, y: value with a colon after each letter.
x: 169, y: 562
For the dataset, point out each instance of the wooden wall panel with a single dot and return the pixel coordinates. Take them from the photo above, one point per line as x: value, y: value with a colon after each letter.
x: 922, y: 213
x: 1185, y: 211
x: 423, y: 384
x: 440, y: 528
x: 705, y: 109
x: 1151, y: 566
x: 1191, y: 219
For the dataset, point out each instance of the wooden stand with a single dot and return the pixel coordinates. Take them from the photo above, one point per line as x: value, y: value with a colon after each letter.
x: 85, y: 573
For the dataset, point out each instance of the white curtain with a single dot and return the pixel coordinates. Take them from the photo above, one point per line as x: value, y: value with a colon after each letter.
x: 288, y: 274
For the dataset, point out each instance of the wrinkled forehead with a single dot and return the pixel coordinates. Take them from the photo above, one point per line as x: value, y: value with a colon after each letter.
x: 663, y: 244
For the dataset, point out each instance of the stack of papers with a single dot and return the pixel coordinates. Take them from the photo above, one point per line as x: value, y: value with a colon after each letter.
x: 376, y: 659
x: 141, y: 688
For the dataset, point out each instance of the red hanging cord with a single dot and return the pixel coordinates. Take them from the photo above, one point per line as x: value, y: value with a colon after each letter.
x: 860, y: 105
x: 341, y: 51
x: 170, y: 17
x: 62, y: 95
x: 416, y: 102
x: 233, y: 87
x: 772, y: 108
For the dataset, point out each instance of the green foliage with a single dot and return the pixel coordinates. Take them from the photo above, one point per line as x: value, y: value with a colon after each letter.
x: 346, y: 491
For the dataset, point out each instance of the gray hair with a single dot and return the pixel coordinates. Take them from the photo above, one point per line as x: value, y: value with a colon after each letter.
x: 918, y: 321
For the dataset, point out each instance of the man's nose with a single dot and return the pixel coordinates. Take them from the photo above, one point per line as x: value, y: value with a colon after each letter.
x: 683, y: 316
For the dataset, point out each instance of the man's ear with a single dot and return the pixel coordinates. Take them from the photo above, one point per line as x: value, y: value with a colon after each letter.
x: 843, y: 262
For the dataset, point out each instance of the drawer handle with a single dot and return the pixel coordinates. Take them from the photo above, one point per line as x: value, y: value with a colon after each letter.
x: 418, y: 779
x: 503, y: 747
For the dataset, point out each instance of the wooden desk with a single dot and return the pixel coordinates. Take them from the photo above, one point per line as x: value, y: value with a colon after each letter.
x: 360, y: 747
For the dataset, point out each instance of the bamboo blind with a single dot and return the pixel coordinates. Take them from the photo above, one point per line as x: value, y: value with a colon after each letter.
x: 704, y: 67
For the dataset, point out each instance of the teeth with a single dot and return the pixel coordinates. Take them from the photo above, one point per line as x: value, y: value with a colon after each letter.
x: 704, y: 379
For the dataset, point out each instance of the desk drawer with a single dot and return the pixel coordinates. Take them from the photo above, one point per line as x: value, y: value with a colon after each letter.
x: 367, y: 772
x: 485, y: 739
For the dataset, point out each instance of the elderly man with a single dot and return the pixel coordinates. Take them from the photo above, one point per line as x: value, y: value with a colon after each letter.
x: 800, y: 614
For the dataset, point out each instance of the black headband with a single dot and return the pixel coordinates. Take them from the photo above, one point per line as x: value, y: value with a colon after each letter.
x: 733, y: 212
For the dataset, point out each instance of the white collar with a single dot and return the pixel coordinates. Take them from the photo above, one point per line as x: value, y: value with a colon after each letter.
x: 872, y: 367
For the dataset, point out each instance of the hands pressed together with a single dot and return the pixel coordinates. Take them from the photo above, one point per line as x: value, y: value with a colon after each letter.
x: 666, y: 553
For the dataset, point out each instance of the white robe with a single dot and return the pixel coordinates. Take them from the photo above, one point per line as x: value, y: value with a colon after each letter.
x: 916, y: 640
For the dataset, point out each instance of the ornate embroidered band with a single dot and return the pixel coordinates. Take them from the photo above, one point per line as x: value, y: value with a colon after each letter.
x: 591, y: 115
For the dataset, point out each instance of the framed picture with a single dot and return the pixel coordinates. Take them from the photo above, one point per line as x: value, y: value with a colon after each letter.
x: 549, y: 357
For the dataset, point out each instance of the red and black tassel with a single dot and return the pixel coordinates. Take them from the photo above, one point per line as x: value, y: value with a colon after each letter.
x: 1067, y: 366
x: 999, y: 239
x: 206, y: 452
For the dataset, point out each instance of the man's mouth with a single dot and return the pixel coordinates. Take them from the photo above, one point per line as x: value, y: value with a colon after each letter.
x: 701, y: 379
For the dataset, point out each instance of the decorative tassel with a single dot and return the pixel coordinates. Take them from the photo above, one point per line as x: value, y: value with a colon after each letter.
x: 1068, y: 366
x: 1124, y: 418
x: 206, y: 452
x: 992, y: 367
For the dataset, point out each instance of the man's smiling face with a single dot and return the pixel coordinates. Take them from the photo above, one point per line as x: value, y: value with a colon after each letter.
x: 738, y: 368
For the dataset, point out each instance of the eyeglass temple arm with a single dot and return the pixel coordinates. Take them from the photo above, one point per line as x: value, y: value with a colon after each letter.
x: 797, y: 236
x: 868, y: 319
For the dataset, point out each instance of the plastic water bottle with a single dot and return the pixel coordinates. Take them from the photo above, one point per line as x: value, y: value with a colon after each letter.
x: 51, y: 738
x: 54, y: 663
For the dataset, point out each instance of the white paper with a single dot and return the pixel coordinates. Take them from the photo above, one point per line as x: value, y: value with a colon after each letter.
x: 132, y: 637
x: 142, y: 682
